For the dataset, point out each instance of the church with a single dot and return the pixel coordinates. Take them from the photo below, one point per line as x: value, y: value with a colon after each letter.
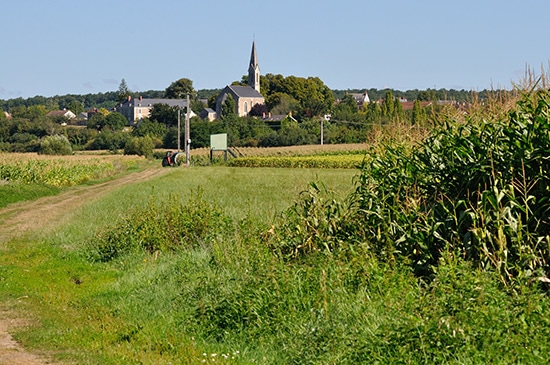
x: 245, y: 96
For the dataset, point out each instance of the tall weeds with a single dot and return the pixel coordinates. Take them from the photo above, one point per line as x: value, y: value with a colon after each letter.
x: 162, y: 226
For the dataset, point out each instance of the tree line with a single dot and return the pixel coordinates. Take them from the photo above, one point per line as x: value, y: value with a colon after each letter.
x: 302, y: 103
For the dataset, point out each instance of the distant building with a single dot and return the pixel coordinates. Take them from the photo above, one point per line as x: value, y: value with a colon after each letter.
x: 245, y: 96
x: 268, y: 117
x: 91, y: 112
x: 208, y: 113
x: 135, y: 109
x: 61, y: 113
x: 361, y: 99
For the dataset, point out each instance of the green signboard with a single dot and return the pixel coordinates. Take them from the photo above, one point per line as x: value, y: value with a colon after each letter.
x: 218, y: 142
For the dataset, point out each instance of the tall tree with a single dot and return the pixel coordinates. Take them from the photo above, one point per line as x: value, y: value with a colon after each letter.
x: 419, y: 115
x: 312, y: 95
x: 164, y: 114
x: 179, y: 89
x: 123, y: 91
x: 228, y: 108
x: 388, y: 105
x: 398, y: 112
x: 115, y: 121
x: 76, y: 107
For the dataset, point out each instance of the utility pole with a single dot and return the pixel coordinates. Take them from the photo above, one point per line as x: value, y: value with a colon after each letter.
x: 321, y: 131
x: 187, y: 134
x: 179, y: 128
x: 327, y: 118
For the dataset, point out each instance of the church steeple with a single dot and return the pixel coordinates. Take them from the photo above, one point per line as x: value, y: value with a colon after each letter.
x: 254, y: 69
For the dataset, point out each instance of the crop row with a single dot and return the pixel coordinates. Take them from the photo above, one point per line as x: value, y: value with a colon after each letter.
x: 57, y: 172
x: 327, y: 161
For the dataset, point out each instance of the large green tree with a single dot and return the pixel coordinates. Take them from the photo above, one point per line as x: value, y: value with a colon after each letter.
x: 149, y: 128
x: 179, y: 89
x: 115, y: 121
x: 76, y: 107
x: 165, y: 114
x: 312, y: 96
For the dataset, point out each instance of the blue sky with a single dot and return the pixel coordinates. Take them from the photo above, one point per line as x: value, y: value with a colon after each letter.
x: 60, y: 47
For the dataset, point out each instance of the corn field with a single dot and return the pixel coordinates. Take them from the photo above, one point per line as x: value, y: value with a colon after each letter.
x: 476, y: 190
x: 327, y: 161
x: 19, y: 168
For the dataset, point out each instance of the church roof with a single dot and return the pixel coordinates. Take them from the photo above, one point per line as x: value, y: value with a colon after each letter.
x: 245, y: 91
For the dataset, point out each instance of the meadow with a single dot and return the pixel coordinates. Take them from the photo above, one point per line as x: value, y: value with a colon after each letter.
x: 430, y: 251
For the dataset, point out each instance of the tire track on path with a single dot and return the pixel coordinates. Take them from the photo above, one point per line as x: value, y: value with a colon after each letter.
x: 19, y: 219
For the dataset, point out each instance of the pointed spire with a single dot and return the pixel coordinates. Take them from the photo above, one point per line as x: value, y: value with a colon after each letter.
x: 253, y: 56
x: 254, y: 69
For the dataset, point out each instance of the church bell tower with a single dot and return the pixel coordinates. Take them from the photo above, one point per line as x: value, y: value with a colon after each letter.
x: 254, y: 70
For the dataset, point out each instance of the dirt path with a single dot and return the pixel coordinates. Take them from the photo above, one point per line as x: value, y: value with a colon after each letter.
x: 21, y: 218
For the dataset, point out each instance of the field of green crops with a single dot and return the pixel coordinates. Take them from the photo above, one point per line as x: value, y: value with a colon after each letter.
x: 347, y: 161
x: 25, y: 176
x: 28, y: 168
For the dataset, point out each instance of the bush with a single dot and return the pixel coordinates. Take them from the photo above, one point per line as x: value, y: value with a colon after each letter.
x: 55, y: 145
x: 141, y: 146
x: 108, y: 140
x: 24, y: 142
x: 165, y: 226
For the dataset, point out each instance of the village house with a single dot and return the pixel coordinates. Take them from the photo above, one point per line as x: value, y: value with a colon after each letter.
x: 61, y: 113
x: 208, y: 114
x: 135, y: 109
x: 361, y: 99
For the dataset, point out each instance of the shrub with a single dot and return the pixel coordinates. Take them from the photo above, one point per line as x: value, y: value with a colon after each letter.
x: 163, y: 226
x: 141, y: 146
x: 55, y: 145
x: 108, y: 140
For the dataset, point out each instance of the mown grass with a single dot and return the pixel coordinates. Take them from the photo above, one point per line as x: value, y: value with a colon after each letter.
x: 13, y: 193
